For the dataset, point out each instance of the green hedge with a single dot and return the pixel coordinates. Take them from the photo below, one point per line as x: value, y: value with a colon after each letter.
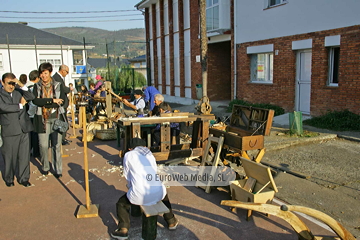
x: 337, y: 121
x: 278, y: 110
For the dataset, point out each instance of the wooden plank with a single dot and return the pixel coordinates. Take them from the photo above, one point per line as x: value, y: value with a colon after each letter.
x: 269, y: 122
x: 165, y: 132
x: 260, y: 155
x: 166, y: 114
x: 261, y: 173
x: 196, y: 135
x: 181, y: 114
x: 108, y: 100
x: 156, y: 209
x: 238, y: 142
x: 205, y: 133
x: 156, y: 120
x: 250, y: 184
x: 175, y: 114
x: 135, y: 130
x: 149, y: 211
x: 167, y: 155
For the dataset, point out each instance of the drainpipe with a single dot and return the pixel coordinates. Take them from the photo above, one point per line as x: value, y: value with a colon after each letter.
x: 235, y: 62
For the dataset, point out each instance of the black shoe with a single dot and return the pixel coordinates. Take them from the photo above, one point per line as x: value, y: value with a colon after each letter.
x: 26, y: 184
x: 57, y: 175
x: 9, y: 184
x: 65, y: 142
x: 173, y: 225
x: 68, y: 140
x: 120, y: 234
x: 45, y: 173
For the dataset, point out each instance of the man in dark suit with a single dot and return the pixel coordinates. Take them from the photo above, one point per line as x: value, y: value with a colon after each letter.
x: 60, y: 77
x: 16, y: 126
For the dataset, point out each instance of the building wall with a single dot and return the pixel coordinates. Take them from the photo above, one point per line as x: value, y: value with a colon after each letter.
x: 255, y: 22
x: 195, y: 46
x: 323, y: 97
x: 176, y: 44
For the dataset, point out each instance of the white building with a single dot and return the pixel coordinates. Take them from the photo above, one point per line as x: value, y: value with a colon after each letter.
x: 23, y: 49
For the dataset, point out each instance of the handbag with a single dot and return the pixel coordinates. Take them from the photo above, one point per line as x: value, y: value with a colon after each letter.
x: 60, y: 125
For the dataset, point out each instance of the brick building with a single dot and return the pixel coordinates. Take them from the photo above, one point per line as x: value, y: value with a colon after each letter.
x: 173, y: 49
x: 300, y: 55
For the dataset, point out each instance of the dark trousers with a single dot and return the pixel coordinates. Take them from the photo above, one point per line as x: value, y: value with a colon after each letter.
x: 15, y: 152
x: 156, y: 136
x: 34, y: 142
x: 123, y: 211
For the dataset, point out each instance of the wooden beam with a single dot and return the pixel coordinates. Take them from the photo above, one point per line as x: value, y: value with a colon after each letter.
x: 161, y: 156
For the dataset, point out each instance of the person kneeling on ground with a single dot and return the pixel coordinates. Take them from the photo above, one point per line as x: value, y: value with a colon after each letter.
x: 138, y: 163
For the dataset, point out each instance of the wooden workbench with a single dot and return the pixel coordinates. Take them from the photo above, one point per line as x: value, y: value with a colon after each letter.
x: 167, y: 151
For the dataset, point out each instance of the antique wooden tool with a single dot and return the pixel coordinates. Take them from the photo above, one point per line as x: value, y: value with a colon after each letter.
x: 204, y: 106
x: 88, y: 210
x: 299, y: 226
x: 114, y: 94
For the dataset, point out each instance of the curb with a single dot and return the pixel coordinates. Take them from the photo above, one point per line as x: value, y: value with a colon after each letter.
x: 281, y: 145
x: 348, y: 138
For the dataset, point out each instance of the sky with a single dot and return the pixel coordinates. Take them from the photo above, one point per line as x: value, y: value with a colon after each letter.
x: 98, y: 13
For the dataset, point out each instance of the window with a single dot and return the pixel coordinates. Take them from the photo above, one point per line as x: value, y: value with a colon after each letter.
x: 261, y: 68
x: 333, y: 75
x: 1, y: 62
x: 55, y: 62
x: 271, y: 3
x: 212, y: 15
x: 78, y: 57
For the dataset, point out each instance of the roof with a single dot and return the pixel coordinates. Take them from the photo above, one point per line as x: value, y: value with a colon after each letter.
x: 140, y: 58
x: 101, y: 62
x: 144, y: 4
x: 22, y: 34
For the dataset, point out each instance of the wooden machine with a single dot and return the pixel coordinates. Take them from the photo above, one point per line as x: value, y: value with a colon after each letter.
x: 248, y: 126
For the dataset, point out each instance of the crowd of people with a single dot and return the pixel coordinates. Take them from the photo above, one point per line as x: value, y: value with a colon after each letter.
x: 29, y: 108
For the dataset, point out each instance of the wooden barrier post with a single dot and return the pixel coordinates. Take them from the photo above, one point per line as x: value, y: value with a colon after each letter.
x: 89, y: 210
x: 73, y: 124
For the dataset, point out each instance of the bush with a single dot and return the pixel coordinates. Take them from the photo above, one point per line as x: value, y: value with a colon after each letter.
x: 337, y: 121
x: 278, y: 110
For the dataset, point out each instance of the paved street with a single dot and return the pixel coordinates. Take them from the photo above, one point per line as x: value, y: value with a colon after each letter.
x: 47, y: 209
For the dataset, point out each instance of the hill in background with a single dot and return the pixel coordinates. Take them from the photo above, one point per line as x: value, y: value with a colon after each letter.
x: 129, y: 43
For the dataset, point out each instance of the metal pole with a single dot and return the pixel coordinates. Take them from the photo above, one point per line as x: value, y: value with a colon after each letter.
x: 85, y: 63
x: 204, y: 45
x: 7, y: 40
x: 133, y: 78
x: 62, y: 58
x: 115, y: 85
x: 107, y: 61
x: 37, y: 61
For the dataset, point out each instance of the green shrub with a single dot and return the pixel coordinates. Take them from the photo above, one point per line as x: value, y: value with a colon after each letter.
x: 337, y: 121
x: 278, y: 110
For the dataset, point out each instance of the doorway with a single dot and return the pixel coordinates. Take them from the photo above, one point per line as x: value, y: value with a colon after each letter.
x: 303, y: 81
